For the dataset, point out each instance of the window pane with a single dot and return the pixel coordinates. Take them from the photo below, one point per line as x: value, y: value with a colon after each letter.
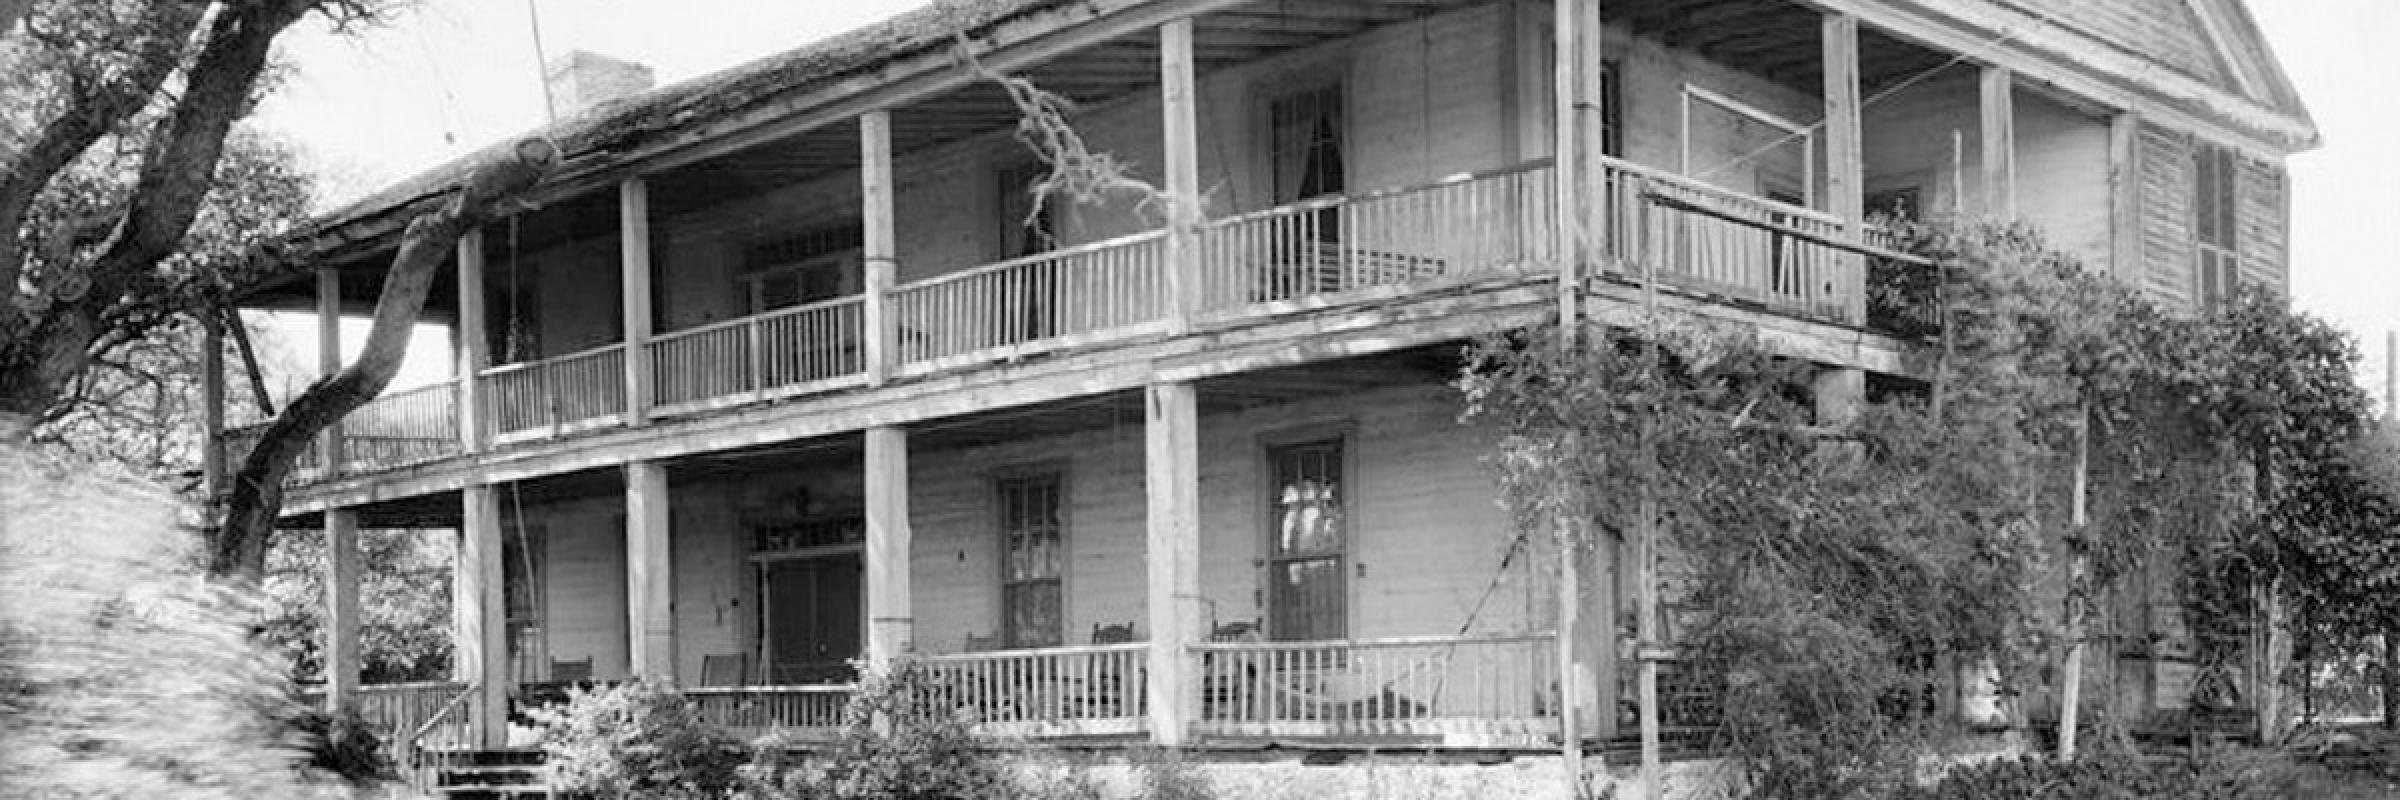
x: 1033, y: 614
x: 1032, y: 536
x: 1308, y: 503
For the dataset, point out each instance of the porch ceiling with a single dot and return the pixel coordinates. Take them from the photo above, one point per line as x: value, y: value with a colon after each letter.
x: 1777, y: 39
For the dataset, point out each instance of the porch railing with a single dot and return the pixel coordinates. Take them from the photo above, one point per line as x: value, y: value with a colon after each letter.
x: 781, y: 352
x: 759, y: 710
x: 1460, y: 226
x: 1717, y: 241
x: 1091, y: 689
x: 411, y: 719
x: 1039, y: 302
x: 1455, y: 687
x: 552, y: 396
x: 401, y: 428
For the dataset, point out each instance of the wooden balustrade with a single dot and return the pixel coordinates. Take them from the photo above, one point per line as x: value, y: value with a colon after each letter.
x: 557, y: 395
x: 1716, y: 241
x: 401, y: 428
x: 1459, y: 687
x: 758, y: 710
x: 1041, y: 302
x: 1460, y: 226
x: 778, y: 353
x: 1090, y: 689
x: 410, y: 719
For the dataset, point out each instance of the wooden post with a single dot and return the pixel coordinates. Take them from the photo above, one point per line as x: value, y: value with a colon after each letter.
x: 881, y: 254
x: 1647, y: 648
x: 1171, y: 476
x: 649, y: 573
x: 474, y: 348
x: 481, y: 640
x: 1179, y: 105
x: 633, y: 262
x: 341, y: 608
x: 891, y: 624
x: 329, y: 359
x: 1574, y: 668
x: 2071, y: 692
x: 212, y: 404
x: 2125, y: 197
x: 1999, y: 142
x: 1845, y: 158
x: 1582, y: 183
x: 1837, y: 393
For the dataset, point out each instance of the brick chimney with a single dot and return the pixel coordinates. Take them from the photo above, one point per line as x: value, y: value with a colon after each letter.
x: 582, y: 79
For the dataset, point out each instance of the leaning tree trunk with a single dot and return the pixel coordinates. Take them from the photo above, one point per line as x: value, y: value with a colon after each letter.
x: 257, y: 497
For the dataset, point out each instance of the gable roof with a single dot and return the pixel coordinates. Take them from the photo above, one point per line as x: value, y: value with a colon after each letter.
x: 2216, y: 42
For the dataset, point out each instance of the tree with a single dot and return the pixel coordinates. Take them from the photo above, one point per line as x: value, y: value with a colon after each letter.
x: 404, y: 592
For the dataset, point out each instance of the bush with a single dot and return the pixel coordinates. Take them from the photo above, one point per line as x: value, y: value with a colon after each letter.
x: 640, y: 739
x: 2218, y: 773
x: 923, y: 751
x: 344, y: 744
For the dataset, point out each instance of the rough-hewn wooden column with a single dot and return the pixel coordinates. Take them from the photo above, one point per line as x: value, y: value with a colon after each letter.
x: 341, y: 608
x: 649, y: 573
x: 474, y: 347
x: 329, y: 358
x: 1582, y: 181
x: 1845, y: 155
x: 1171, y: 468
x: 1999, y: 142
x: 633, y: 261
x: 212, y: 404
x: 880, y: 250
x: 1178, y: 89
x: 891, y: 623
x: 2125, y: 197
x: 481, y: 637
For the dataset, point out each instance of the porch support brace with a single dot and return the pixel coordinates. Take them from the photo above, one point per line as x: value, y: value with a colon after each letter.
x: 1180, y: 95
x: 329, y: 358
x: 1582, y: 182
x: 1171, y: 464
x: 1845, y: 158
x: 633, y: 261
x: 1999, y: 142
x: 481, y: 640
x: 212, y: 402
x: 1838, y: 393
x: 2125, y: 197
x: 341, y: 608
x: 880, y: 251
x: 891, y: 623
x: 474, y: 348
x: 649, y: 573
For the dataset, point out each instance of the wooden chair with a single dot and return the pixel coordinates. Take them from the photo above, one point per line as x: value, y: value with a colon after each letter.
x: 1113, y: 634
x: 1108, y: 692
x: 729, y: 669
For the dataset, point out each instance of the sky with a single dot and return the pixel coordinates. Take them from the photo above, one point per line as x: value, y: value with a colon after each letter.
x: 448, y: 76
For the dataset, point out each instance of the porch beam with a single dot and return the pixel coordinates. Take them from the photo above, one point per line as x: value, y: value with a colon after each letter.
x: 633, y: 263
x: 341, y: 608
x: 1180, y: 120
x: 329, y: 359
x: 1171, y: 469
x: 1999, y: 142
x: 880, y: 252
x: 474, y: 349
x: 649, y: 573
x: 891, y: 623
x: 481, y: 637
x: 1845, y: 157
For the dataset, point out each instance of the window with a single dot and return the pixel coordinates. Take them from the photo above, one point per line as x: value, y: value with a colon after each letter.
x: 1304, y: 136
x: 2216, y: 223
x: 1033, y: 300
x: 1032, y: 543
x: 810, y: 267
x: 1308, y: 520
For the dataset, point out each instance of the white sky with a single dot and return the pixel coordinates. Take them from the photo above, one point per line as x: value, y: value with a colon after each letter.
x: 451, y: 75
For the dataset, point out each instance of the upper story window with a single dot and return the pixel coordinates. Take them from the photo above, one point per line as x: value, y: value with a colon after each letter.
x: 1308, y: 522
x: 1033, y: 534
x: 2216, y: 222
x: 1304, y: 141
x: 807, y: 268
x: 1024, y: 229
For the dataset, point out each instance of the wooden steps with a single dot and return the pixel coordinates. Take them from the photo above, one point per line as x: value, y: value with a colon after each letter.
x: 490, y: 774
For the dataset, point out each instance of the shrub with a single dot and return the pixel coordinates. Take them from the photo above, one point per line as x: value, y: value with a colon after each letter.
x: 344, y: 744
x: 638, y: 739
x: 899, y: 742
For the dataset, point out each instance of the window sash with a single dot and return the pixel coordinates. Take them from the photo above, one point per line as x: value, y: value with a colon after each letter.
x: 1032, y: 523
x: 1308, y: 595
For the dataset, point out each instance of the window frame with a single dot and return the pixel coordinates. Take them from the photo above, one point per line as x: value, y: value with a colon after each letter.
x: 2216, y: 238
x: 1343, y: 435
x: 1331, y: 75
x: 1000, y: 482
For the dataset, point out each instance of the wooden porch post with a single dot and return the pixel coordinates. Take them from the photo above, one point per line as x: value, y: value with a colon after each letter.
x: 341, y: 607
x: 212, y: 403
x: 474, y: 349
x: 1171, y: 466
x: 1999, y: 142
x: 649, y: 573
x: 1179, y: 96
x: 482, y: 615
x: 633, y: 240
x: 2125, y: 197
x: 329, y: 358
x: 1581, y: 129
x: 880, y: 251
x: 891, y: 624
x: 1845, y: 157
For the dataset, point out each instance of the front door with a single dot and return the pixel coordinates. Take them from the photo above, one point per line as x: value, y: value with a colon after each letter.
x: 813, y: 618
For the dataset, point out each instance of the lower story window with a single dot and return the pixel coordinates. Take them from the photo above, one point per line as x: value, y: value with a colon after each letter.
x: 1032, y: 540
x: 1308, y: 597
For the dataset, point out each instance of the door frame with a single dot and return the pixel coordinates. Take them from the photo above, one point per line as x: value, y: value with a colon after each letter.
x: 762, y: 564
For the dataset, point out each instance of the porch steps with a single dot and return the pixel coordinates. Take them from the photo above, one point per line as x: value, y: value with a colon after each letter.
x: 490, y: 775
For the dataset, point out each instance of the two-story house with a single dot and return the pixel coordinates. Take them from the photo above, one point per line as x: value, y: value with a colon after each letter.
x: 791, y: 367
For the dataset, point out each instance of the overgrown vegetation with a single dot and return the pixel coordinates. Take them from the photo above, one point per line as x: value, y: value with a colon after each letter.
x: 638, y: 740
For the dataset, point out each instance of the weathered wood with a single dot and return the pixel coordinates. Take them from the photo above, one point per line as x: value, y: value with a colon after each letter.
x: 2071, y: 688
x: 1998, y: 93
x: 1171, y: 478
x: 1581, y: 183
x: 1845, y: 157
x: 891, y: 623
x: 2125, y: 197
x: 329, y: 360
x: 341, y: 608
x: 474, y: 344
x: 1180, y: 97
x: 633, y: 263
x: 880, y: 253
x: 649, y: 573
x: 481, y: 638
x: 1647, y: 647
x: 1838, y: 393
